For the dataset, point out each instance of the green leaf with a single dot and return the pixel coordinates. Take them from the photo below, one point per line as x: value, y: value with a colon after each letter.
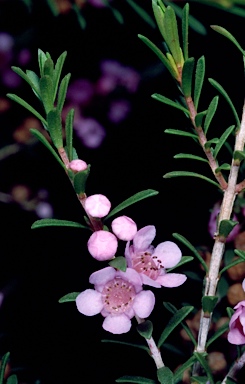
x: 24, y: 104
x: 165, y: 375
x: 205, y: 366
x: 199, y: 380
x: 199, y: 78
x: 184, y: 260
x: 27, y: 79
x: 240, y: 253
x: 218, y: 333
x: 46, y: 92
x: 216, y: 85
x: 239, y: 155
x: 128, y: 344
x: 230, y: 312
x: 223, y: 167
x: 132, y: 200
x: 56, y: 223
x: 180, y: 371
x: 135, y: 379
x: 226, y: 226
x: 210, y: 113
x: 180, y: 133
x: 170, y: 102
x: 4, y: 362
x: 199, y: 118
x: 45, y: 142
x: 80, y: 180
x: 160, y: 55
x: 69, y: 133
x: 177, y: 318
x: 232, y: 264
x: 62, y: 92
x: 142, y: 13
x: 187, y: 173
x: 222, y: 140
x: 69, y: 297
x: 187, y: 76
x: 159, y: 12
x: 229, y: 36
x: 35, y: 81
x: 57, y: 71
x: 189, y: 156
x: 55, y: 127
x: 209, y: 303
x: 184, y: 241
x: 171, y: 34
x: 48, y: 68
x: 81, y: 20
x: 41, y: 61
x: 185, y: 30
x: 209, y: 143
x: 119, y: 263
x: 12, y: 380
x: 145, y: 329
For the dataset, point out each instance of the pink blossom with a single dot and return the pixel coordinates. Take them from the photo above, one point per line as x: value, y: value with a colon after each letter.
x: 212, y: 224
x: 124, y: 228
x: 102, y: 245
x: 89, y: 131
x: 118, y: 296
x: 236, y: 334
x: 119, y: 110
x: 151, y: 262
x: 97, y: 205
x: 97, y: 3
x: 78, y: 165
x: 81, y: 92
x: 44, y: 210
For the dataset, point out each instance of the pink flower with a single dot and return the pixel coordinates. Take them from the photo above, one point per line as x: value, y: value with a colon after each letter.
x: 118, y: 296
x: 78, y: 165
x: 124, y: 228
x: 97, y: 205
x: 102, y: 245
x: 212, y: 224
x: 236, y: 334
x: 89, y: 131
x: 151, y: 262
x: 118, y: 110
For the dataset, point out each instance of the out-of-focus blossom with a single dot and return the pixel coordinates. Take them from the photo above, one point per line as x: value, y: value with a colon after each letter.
x: 150, y: 262
x: 97, y: 205
x: 44, y: 210
x: 124, y: 228
x: 97, y: 3
x: 102, y: 245
x: 118, y: 296
x: 90, y: 132
x: 212, y: 224
x: 78, y: 165
x: 24, y: 56
x: 236, y: 334
x: 118, y: 110
x: 81, y: 92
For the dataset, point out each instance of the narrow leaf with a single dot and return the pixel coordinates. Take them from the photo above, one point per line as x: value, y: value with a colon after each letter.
x: 132, y: 200
x: 119, y: 263
x: 184, y: 260
x: 177, y: 318
x: 142, y: 13
x: 69, y: 133
x: 135, y: 379
x: 216, y: 85
x: 199, y: 380
x: 80, y: 180
x: 170, y: 102
x: 239, y: 155
x: 26, y: 78
x: 230, y: 312
x: 210, y: 113
x: 46, y: 92
x: 209, y: 303
x: 199, y: 118
x: 209, y: 143
x: 145, y: 329
x: 165, y: 375
x: 232, y: 264
x: 218, y: 333
x: 184, y: 241
x: 41, y: 60
x: 199, y: 78
x: 223, y: 167
x: 180, y: 371
x: 24, y: 104
x: 128, y: 344
x: 240, y: 253
x: 222, y: 140
x: 185, y: 30
x: 187, y: 173
x: 55, y: 127
x: 62, y: 92
x: 229, y: 36
x: 69, y: 297
x: 171, y: 34
x: 226, y: 226
x: 205, y: 366
x: 4, y: 362
x: 180, y: 133
x: 48, y: 68
x: 189, y: 156
x: 12, y: 380
x: 187, y: 76
x: 35, y: 81
x: 45, y: 142
x: 57, y: 72
x: 56, y: 223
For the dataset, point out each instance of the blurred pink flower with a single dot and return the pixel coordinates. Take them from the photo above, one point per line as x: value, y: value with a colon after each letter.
x: 102, y: 245
x: 97, y: 205
x: 236, y: 334
x: 81, y: 92
x: 98, y: 3
x: 118, y: 110
x: 44, y: 210
x: 151, y: 262
x: 78, y: 165
x: 212, y: 224
x: 89, y: 131
x: 118, y: 296
x: 124, y: 228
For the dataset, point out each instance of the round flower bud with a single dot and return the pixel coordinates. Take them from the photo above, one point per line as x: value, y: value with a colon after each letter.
x: 97, y: 205
x: 78, y: 165
x: 102, y: 245
x: 124, y: 228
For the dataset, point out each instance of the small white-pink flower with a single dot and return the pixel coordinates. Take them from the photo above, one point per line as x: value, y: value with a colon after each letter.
x: 102, y: 245
x: 150, y: 262
x: 124, y: 228
x: 97, y: 205
x: 78, y: 165
x: 118, y: 296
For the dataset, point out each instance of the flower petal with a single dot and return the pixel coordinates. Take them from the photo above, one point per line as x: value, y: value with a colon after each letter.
x: 132, y: 276
x: 169, y: 253
x: 144, y: 238
x: 144, y: 303
x: 148, y: 281
x: 89, y: 302
x: 128, y: 254
x: 102, y: 276
x: 236, y: 337
x: 117, y: 324
x: 171, y: 280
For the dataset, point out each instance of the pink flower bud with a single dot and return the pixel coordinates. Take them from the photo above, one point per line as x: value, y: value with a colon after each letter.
x: 102, y: 245
x: 78, y: 165
x: 124, y: 228
x: 97, y: 205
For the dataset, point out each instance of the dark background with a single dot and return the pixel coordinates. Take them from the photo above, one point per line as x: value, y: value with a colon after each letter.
x: 53, y: 342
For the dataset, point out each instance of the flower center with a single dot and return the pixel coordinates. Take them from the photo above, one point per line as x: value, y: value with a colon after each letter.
x: 118, y: 295
x: 147, y: 264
